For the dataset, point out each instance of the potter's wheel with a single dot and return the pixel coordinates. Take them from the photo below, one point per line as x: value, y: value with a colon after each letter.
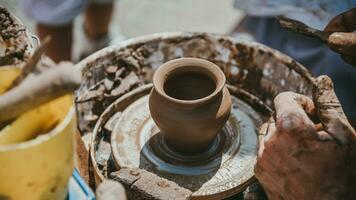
x: 223, y: 170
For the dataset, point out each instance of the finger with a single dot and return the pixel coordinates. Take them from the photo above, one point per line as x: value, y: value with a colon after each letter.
x: 291, y: 113
x: 266, y: 131
x: 325, y: 136
x: 344, y: 22
x: 262, y: 134
x: 271, y: 130
x: 349, y: 59
x: 343, y: 43
x: 285, y: 101
x: 318, y: 127
x: 330, y: 111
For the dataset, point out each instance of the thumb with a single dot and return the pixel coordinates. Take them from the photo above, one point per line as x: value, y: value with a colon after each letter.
x: 343, y: 43
x: 330, y: 111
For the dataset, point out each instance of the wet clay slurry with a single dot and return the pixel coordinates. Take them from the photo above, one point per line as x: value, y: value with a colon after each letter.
x: 16, y: 42
x: 189, y: 103
x: 189, y: 86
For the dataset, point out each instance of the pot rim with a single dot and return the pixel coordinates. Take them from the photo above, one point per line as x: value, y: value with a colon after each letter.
x: 44, y: 137
x: 164, y: 71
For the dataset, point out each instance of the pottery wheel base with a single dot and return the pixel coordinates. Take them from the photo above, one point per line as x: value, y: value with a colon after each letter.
x: 222, y: 170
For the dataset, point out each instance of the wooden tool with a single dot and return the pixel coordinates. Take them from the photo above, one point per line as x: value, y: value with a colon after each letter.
x: 300, y: 27
x: 31, y: 63
x: 38, y: 89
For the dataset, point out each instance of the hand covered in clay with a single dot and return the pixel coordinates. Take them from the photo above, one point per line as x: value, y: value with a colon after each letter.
x: 308, y: 151
x: 343, y: 39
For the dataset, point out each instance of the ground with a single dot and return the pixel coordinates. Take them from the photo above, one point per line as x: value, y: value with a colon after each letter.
x: 136, y: 17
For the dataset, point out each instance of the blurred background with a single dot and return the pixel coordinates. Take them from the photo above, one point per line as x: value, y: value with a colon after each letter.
x: 133, y: 18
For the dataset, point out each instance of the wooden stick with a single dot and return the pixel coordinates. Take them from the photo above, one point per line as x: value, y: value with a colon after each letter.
x: 300, y: 27
x: 39, y: 89
x: 31, y: 64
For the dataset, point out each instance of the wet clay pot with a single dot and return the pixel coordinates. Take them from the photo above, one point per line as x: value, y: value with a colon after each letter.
x: 189, y: 103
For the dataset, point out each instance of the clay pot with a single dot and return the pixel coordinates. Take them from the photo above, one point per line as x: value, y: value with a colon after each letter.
x: 189, y: 103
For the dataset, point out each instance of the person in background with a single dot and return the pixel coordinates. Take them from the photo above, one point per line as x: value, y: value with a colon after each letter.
x: 56, y: 19
x: 313, y: 54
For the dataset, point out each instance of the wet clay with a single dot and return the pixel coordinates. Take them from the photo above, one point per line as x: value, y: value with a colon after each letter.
x: 189, y: 86
x: 255, y: 68
x: 136, y: 142
x: 189, y: 103
x: 14, y: 42
x: 256, y: 73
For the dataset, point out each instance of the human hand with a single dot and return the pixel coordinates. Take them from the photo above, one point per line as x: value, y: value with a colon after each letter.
x: 303, y: 159
x: 342, y: 38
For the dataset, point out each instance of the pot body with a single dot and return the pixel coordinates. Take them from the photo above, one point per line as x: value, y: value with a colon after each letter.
x: 190, y: 127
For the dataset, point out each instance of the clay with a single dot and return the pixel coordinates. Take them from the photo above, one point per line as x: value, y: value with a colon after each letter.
x: 94, y: 93
x: 110, y: 124
x: 111, y: 69
x: 14, y: 39
x: 189, y: 103
x: 252, y: 67
x: 254, y: 192
x: 110, y: 190
x: 128, y: 82
x: 108, y: 84
x: 142, y: 184
x: 262, y: 71
x: 330, y: 112
x: 222, y: 170
x: 82, y: 156
x: 189, y: 86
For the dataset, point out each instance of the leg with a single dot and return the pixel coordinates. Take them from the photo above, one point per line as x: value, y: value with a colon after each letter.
x: 95, y: 30
x: 97, y: 19
x: 60, y: 47
x: 55, y: 18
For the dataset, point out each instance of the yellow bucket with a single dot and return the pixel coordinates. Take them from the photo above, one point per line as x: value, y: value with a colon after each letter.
x: 7, y: 75
x: 36, y: 164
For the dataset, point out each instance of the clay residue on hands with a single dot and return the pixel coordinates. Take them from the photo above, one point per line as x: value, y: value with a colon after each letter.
x: 330, y: 112
x: 298, y: 160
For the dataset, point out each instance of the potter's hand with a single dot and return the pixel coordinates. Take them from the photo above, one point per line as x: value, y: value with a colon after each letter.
x: 343, y: 39
x: 299, y: 159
